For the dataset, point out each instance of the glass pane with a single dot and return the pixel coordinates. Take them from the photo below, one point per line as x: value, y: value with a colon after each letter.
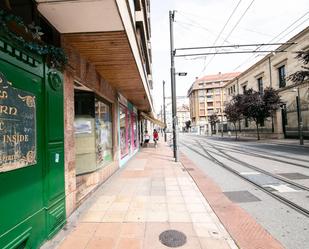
x: 104, y: 142
x: 123, y: 131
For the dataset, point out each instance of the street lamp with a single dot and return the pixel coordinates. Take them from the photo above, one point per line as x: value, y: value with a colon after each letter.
x: 181, y: 74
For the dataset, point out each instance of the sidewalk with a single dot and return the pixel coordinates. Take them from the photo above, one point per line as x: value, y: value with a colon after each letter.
x: 150, y: 195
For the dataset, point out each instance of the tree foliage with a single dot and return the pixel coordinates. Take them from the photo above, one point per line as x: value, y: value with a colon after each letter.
x: 188, y: 124
x: 213, y: 119
x: 233, y: 112
x: 303, y: 74
x: 253, y: 106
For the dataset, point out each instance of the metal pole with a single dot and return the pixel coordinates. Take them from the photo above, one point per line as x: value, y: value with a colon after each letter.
x: 300, y: 119
x: 164, y: 113
x: 173, y: 86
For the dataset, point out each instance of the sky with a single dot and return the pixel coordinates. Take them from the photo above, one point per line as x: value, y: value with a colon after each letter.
x: 201, y: 23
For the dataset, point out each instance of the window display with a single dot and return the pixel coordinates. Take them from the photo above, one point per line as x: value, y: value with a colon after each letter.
x: 135, y: 132
x: 123, y: 131
x: 104, y: 142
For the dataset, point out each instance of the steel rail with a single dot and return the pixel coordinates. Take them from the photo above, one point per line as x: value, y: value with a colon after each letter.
x: 283, y: 200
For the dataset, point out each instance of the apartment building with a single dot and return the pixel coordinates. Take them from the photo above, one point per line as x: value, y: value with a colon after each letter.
x: 207, y: 96
x: 273, y: 71
x: 183, y: 115
x: 82, y: 121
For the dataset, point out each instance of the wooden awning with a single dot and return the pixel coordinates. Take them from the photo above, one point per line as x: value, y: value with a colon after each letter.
x: 152, y: 119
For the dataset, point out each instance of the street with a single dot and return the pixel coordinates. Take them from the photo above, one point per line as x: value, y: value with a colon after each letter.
x: 269, y: 181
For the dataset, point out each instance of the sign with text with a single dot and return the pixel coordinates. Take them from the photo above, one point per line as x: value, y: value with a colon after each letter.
x: 17, y: 127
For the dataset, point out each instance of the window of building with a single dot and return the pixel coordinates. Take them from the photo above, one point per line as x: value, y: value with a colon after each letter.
x: 244, y: 88
x: 201, y: 93
x: 246, y: 122
x: 104, y: 139
x: 234, y: 89
x: 123, y: 131
x: 229, y: 91
x: 93, y: 132
x: 260, y: 85
x: 202, y: 112
x: 281, y: 76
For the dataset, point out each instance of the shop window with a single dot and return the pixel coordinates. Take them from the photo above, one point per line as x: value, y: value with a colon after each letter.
x: 135, y: 131
x: 123, y: 131
x: 104, y: 140
x: 93, y: 132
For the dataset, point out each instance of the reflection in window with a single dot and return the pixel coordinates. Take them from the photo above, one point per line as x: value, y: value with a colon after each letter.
x: 281, y: 75
x: 104, y: 143
x: 123, y: 131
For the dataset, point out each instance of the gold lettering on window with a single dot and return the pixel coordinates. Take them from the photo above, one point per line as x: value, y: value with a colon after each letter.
x: 3, y: 95
x: 9, y: 110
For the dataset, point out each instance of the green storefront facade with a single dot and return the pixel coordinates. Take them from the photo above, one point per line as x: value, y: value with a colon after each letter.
x: 32, y: 194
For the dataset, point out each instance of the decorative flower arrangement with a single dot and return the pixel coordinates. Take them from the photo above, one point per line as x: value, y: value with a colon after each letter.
x: 29, y: 37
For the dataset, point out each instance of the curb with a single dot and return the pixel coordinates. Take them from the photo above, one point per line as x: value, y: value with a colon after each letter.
x: 242, y: 227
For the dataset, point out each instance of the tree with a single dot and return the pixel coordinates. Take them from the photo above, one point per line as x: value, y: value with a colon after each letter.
x: 188, y: 124
x: 259, y: 107
x: 303, y: 74
x: 213, y: 119
x: 253, y: 108
x: 233, y: 113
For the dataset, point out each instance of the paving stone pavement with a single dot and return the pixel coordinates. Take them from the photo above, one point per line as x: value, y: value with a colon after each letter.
x: 150, y: 195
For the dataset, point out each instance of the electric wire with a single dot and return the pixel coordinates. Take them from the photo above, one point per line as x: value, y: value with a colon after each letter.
x: 230, y: 33
x: 273, y: 39
x: 221, y: 31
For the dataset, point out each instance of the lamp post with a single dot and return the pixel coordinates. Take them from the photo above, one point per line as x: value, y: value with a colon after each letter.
x: 173, y: 85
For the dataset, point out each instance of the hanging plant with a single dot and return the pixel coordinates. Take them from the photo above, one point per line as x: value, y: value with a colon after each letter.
x: 29, y: 37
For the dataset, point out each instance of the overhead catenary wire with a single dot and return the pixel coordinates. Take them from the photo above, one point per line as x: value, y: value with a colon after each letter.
x: 223, y: 28
x: 230, y: 33
x: 273, y: 39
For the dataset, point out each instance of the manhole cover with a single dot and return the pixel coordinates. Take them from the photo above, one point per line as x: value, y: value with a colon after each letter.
x: 173, y: 238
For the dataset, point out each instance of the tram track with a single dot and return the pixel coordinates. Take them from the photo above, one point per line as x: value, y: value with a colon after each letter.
x: 278, y: 197
x: 269, y: 157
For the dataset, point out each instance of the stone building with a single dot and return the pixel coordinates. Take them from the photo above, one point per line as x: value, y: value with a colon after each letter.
x: 207, y: 96
x: 87, y: 118
x: 272, y: 71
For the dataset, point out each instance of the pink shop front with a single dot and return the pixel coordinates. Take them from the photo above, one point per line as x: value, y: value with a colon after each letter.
x: 128, y: 131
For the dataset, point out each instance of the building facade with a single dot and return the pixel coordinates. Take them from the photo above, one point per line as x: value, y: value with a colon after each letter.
x: 183, y: 115
x: 273, y: 71
x: 206, y: 97
x: 88, y: 117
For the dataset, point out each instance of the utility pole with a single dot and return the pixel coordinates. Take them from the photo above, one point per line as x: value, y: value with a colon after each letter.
x: 300, y: 119
x: 164, y: 113
x: 173, y: 86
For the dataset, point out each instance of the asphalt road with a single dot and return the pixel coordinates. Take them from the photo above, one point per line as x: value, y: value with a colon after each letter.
x: 269, y: 181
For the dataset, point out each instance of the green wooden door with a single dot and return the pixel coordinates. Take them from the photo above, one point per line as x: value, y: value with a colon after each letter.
x: 31, y: 149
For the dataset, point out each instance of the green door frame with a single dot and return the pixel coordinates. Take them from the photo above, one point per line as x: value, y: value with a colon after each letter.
x: 32, y: 198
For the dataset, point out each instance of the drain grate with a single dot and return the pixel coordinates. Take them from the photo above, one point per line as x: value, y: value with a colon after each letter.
x: 173, y: 238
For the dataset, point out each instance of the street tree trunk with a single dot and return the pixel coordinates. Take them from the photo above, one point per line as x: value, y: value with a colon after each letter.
x: 235, y: 131
x: 257, y: 130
